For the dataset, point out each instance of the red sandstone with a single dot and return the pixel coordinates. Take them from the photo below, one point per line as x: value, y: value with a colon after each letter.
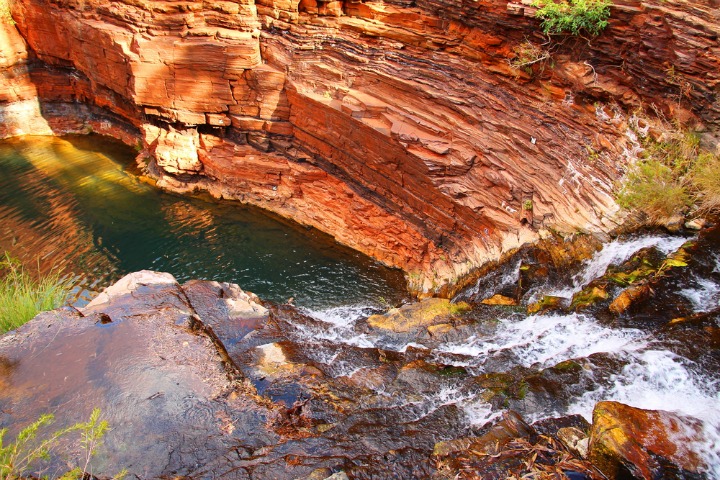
x: 400, y: 127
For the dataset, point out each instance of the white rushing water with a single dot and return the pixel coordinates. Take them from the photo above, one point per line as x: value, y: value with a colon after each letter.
x: 660, y: 380
x: 546, y: 340
x: 615, y: 253
x: 705, y: 296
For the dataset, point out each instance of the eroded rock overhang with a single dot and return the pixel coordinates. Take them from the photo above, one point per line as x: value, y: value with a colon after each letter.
x: 398, y: 127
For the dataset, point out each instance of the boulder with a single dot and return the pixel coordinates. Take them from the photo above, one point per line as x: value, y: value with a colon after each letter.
x: 498, y: 299
x: 646, y: 444
x: 628, y: 297
x: 415, y: 316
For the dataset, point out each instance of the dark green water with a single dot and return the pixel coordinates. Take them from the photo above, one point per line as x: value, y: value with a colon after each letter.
x: 72, y: 203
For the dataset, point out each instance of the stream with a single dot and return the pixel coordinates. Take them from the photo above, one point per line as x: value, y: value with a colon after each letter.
x: 563, y: 363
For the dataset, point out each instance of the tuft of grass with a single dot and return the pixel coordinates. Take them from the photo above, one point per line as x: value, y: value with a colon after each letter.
x: 654, y: 188
x: 574, y: 16
x: 670, y: 176
x: 5, y: 14
x: 705, y: 178
x: 22, y: 297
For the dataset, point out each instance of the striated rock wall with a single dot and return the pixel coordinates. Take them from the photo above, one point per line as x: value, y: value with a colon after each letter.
x: 397, y: 126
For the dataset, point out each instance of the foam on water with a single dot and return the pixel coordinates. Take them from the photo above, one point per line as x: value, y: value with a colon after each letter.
x: 344, y: 316
x: 479, y: 412
x: 341, y: 328
x: 339, y: 325
x: 705, y: 297
x: 547, y: 340
x: 447, y: 395
x: 493, y: 282
x: 615, y: 253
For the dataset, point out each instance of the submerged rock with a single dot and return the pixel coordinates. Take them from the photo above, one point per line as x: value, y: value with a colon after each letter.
x: 545, y: 304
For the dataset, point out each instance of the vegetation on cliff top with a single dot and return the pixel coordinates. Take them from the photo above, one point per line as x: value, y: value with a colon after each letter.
x: 22, y: 297
x: 573, y: 16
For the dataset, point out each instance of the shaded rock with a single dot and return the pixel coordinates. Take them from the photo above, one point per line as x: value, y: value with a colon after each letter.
x: 510, y: 449
x: 648, y: 444
x: 575, y: 440
x: 511, y: 426
x: 550, y: 426
x: 338, y: 476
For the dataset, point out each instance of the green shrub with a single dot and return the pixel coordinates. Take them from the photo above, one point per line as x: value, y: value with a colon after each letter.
x: 18, y: 458
x: 573, y: 16
x: 22, y: 297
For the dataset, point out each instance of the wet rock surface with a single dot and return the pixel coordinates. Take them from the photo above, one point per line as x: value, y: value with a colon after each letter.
x: 134, y: 354
x: 646, y: 444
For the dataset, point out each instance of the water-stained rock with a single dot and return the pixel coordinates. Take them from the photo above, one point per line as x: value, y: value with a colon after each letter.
x: 132, y: 353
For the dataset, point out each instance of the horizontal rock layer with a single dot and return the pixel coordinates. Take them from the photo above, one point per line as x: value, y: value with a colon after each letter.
x: 398, y: 127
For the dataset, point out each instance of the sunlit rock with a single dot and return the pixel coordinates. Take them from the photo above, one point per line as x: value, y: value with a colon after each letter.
x: 414, y: 316
x: 498, y: 299
x: 648, y: 444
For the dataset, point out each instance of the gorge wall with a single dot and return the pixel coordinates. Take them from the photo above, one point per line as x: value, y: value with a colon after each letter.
x: 397, y: 126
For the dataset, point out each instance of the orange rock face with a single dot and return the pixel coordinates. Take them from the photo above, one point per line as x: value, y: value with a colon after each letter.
x: 398, y: 127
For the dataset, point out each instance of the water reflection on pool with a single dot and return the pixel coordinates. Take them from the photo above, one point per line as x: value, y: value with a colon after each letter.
x: 72, y: 203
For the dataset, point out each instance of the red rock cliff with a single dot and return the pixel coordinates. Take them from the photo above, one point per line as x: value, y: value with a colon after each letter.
x: 399, y: 127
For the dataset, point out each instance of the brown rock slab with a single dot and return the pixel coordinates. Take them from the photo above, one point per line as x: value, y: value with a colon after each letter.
x: 170, y: 402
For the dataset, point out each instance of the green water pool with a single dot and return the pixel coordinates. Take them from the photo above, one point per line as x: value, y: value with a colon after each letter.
x: 76, y: 203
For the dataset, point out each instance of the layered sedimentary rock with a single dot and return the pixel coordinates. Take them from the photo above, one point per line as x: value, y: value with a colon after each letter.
x: 398, y: 127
